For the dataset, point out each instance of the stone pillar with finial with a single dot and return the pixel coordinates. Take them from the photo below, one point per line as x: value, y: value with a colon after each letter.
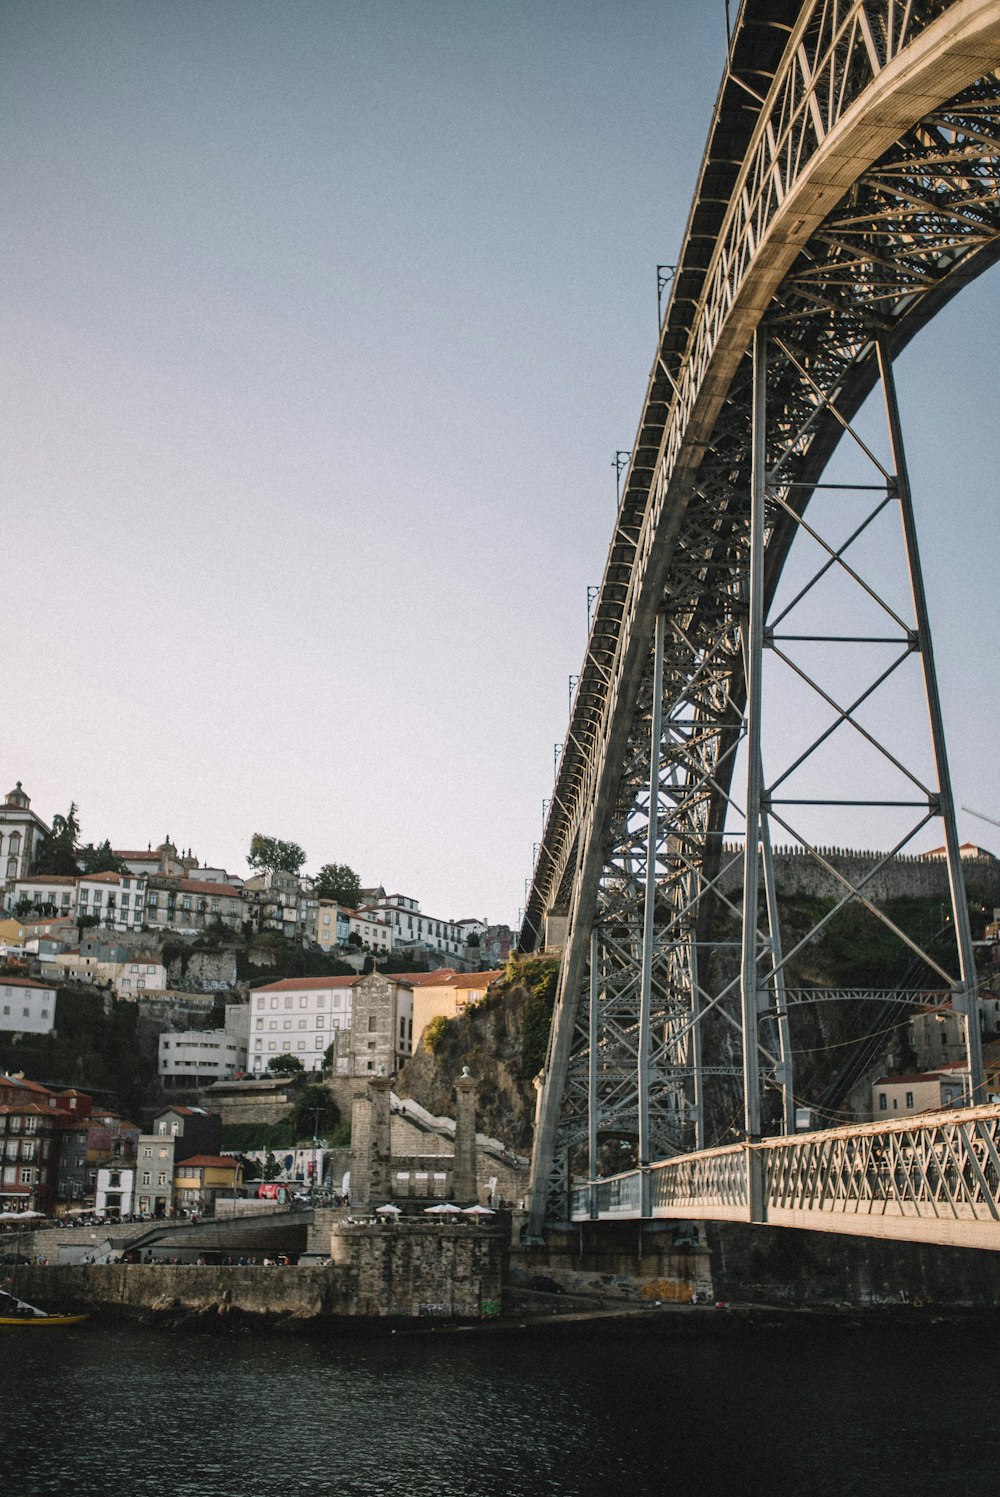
x: 464, y: 1187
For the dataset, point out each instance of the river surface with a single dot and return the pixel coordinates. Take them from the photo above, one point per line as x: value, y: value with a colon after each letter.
x: 813, y: 1410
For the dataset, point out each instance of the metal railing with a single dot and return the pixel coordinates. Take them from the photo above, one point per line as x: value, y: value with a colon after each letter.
x: 929, y: 1178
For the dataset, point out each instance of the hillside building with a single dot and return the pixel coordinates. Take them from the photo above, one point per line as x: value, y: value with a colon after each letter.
x: 20, y: 832
x: 367, y: 1020
x: 412, y: 928
x: 26, y: 1006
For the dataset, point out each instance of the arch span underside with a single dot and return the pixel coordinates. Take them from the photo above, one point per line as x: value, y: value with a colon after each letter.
x: 868, y: 194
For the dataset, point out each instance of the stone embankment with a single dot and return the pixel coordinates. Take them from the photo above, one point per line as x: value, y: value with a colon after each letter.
x: 394, y: 1270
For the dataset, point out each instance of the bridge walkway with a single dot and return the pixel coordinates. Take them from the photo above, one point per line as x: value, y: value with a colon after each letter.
x: 931, y: 1178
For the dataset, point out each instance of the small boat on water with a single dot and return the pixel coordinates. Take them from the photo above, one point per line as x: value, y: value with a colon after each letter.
x: 14, y: 1311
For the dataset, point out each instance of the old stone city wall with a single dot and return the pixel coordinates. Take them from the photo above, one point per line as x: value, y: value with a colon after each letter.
x: 797, y: 873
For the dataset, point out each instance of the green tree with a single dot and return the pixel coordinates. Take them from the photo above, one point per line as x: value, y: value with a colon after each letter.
x: 57, y: 854
x: 337, y: 881
x: 100, y: 859
x: 270, y: 854
x: 315, y: 1113
x: 270, y: 1170
x: 285, y: 1065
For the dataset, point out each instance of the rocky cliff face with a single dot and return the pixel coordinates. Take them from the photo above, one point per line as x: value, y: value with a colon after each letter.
x: 502, y: 1041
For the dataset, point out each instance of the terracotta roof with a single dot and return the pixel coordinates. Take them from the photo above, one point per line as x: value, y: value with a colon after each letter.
x: 967, y: 848
x: 936, y: 1075
x: 447, y: 977
x: 26, y: 982
x: 208, y: 1161
x: 52, y: 878
x: 306, y: 984
x: 34, y: 1108
x: 31, y: 1086
x: 102, y: 878
x: 145, y: 853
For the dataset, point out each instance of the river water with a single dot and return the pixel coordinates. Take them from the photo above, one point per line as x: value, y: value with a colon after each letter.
x: 815, y: 1409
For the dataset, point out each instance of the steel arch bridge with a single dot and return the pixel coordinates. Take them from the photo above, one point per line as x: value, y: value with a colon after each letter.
x: 849, y: 188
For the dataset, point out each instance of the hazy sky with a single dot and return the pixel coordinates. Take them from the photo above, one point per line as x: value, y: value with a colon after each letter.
x: 322, y: 323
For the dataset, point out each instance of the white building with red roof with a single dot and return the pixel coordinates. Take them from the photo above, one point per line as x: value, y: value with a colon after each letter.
x: 368, y: 1021
x: 300, y: 1016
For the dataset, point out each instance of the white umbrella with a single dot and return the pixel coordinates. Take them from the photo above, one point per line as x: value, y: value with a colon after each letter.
x: 388, y: 1211
x: 477, y: 1211
x: 25, y: 1214
x: 445, y: 1209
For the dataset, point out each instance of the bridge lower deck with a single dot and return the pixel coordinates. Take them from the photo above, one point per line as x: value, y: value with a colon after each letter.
x: 933, y: 1178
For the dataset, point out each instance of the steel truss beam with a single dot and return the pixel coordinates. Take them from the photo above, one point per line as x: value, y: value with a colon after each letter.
x: 632, y: 853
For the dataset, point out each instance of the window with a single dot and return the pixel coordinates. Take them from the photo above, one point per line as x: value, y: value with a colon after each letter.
x: 161, y: 1178
x: 881, y: 1102
x: 909, y: 1099
x: 145, y: 1177
x: 372, y: 1024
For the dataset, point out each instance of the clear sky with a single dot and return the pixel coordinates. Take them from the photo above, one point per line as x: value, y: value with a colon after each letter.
x: 322, y: 323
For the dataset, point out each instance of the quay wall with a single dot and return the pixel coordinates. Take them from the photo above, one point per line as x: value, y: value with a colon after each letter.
x: 639, y: 1263
x: 380, y: 1271
x: 300, y: 1293
x: 732, y: 1262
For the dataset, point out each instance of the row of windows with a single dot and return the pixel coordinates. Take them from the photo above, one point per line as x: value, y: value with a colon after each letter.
x: 318, y: 1000
x: 10, y: 1175
x: 337, y: 1021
